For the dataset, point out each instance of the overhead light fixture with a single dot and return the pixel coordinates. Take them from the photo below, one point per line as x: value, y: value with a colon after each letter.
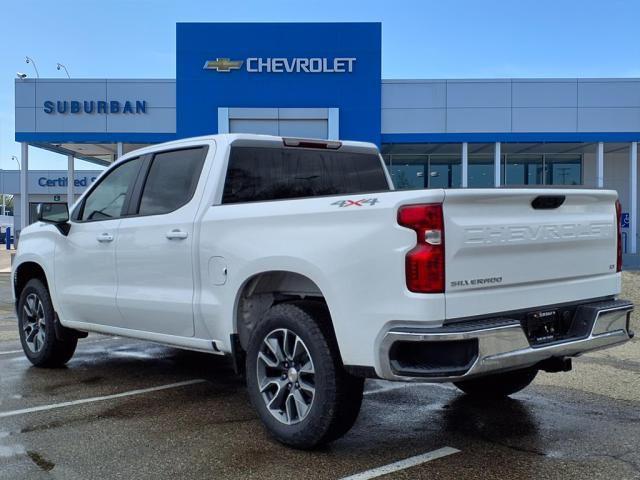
x: 62, y: 66
x: 30, y: 60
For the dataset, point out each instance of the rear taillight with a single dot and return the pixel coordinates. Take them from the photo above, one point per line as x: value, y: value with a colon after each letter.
x: 619, y: 230
x: 424, y: 265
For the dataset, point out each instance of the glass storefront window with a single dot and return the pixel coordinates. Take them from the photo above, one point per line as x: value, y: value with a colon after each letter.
x: 445, y: 171
x: 480, y: 171
x: 523, y: 169
x: 563, y: 169
x: 423, y: 165
x: 408, y: 171
x: 417, y: 166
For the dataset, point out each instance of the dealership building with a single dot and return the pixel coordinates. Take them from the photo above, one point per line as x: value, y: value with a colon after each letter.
x: 43, y: 186
x: 323, y: 80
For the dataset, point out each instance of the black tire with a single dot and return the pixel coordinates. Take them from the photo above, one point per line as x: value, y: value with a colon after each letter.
x: 338, y: 395
x: 44, y: 350
x: 499, y: 384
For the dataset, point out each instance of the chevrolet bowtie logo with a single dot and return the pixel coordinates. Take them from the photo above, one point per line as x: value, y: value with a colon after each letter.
x: 223, y: 64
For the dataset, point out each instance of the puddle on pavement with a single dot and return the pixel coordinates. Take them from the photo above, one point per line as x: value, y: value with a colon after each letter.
x: 7, y: 451
x: 131, y: 354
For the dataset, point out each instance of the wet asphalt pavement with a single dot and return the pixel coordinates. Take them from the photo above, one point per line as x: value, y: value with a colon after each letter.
x: 577, y: 425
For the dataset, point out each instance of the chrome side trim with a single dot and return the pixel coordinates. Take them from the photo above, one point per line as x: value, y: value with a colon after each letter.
x: 506, y: 347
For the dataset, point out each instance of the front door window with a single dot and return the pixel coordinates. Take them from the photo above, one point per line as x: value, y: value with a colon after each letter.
x: 106, y: 200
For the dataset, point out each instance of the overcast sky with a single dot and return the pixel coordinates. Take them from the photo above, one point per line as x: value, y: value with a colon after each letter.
x: 421, y: 39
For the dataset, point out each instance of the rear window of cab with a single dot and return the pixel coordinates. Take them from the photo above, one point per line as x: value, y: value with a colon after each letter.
x: 259, y: 174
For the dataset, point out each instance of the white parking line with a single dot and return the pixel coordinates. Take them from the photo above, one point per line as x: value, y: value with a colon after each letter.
x: 130, y: 393
x: 11, y: 352
x: 403, y: 464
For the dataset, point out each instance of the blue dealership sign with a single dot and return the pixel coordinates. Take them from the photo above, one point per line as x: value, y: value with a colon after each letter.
x: 94, y: 106
x: 279, y: 65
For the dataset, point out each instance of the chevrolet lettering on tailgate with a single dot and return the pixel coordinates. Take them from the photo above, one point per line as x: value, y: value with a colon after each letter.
x: 532, y: 233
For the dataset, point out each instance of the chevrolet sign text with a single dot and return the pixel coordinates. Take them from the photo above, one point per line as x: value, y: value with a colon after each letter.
x: 284, y: 65
x: 297, y: 65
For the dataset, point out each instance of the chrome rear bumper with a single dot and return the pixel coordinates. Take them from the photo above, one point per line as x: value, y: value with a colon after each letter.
x: 503, y: 345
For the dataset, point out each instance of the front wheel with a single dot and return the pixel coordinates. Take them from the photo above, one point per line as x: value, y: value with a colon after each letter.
x: 295, y: 377
x: 36, y: 323
x: 498, y: 384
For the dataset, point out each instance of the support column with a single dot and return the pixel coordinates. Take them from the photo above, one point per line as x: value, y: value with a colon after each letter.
x: 119, y: 150
x: 24, y: 194
x: 600, y: 166
x: 465, y: 164
x: 223, y: 120
x: 71, y: 175
x: 333, y: 124
x: 496, y: 165
x: 633, y: 197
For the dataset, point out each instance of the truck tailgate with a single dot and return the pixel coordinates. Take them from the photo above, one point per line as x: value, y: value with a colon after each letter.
x: 505, y: 250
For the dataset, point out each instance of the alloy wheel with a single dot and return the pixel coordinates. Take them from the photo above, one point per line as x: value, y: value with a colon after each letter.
x: 286, y: 376
x: 33, y: 323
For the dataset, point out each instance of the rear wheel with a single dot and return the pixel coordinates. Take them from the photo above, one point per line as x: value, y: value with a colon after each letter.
x: 498, y: 384
x: 36, y: 323
x: 295, y: 377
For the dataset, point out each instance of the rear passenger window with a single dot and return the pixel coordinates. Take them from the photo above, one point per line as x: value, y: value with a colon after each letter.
x: 260, y: 173
x: 172, y: 180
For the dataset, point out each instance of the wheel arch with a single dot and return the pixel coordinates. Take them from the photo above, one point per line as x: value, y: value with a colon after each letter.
x: 263, y: 289
x: 26, y: 271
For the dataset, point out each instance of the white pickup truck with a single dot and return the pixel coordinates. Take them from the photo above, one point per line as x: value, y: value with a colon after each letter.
x: 298, y: 259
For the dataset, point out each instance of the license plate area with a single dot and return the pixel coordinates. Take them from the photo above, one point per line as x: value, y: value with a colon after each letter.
x: 546, y: 326
x: 556, y: 325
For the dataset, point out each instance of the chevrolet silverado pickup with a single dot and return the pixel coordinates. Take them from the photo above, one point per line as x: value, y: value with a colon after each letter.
x: 298, y: 259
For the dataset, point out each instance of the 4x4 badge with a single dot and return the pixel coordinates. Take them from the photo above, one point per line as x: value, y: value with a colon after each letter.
x: 356, y: 203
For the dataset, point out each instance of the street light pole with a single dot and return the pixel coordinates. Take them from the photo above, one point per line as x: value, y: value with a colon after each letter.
x: 19, y: 168
x: 30, y: 60
x: 61, y: 65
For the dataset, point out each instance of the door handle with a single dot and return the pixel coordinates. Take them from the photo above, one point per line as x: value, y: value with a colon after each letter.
x: 177, y: 234
x: 105, y: 237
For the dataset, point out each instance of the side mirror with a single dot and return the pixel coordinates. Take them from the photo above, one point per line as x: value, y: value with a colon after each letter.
x: 52, y: 212
x: 55, y: 213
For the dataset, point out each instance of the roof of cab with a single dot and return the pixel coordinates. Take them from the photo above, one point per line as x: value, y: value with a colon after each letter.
x: 247, y: 139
